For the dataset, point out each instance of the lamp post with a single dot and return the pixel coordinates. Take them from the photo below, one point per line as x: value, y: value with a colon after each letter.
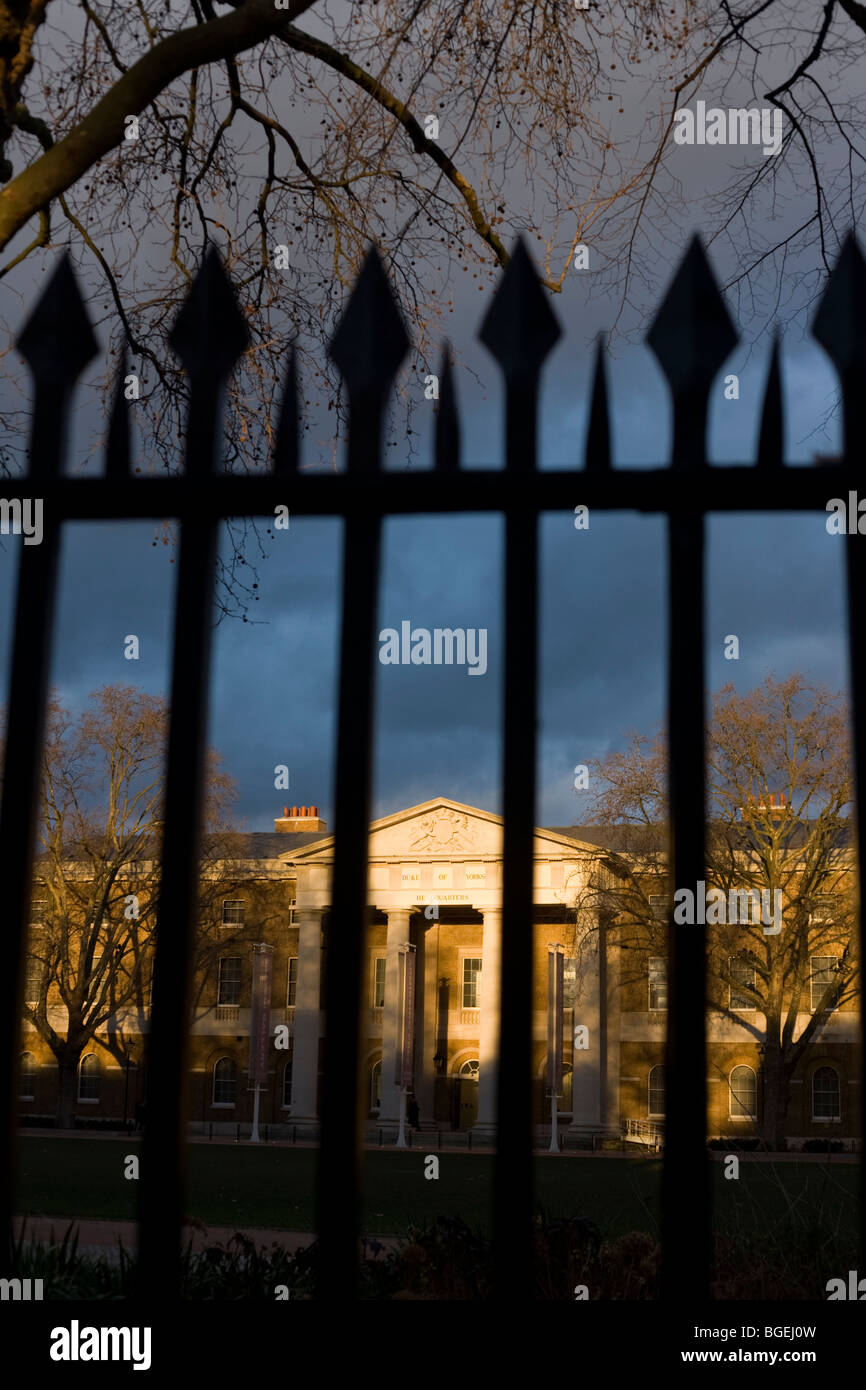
x: 126, y: 1090
x: 555, y: 952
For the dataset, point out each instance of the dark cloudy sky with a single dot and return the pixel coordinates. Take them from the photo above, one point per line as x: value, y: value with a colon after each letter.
x: 776, y: 583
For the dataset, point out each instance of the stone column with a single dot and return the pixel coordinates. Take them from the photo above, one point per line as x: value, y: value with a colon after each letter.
x: 612, y: 993
x: 308, y: 1017
x: 425, y: 1012
x: 397, y: 936
x: 588, y: 1062
x: 488, y: 1071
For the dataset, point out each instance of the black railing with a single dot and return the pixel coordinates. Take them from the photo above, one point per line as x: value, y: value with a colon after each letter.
x: 691, y: 336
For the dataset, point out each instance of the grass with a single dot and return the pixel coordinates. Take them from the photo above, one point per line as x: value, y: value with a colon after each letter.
x: 244, y: 1187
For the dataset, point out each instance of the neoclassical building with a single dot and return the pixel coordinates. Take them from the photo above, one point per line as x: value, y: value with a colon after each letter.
x: 435, y: 884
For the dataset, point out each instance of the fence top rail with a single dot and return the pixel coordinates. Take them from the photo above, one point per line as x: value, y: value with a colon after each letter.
x: 691, y: 336
x: 726, y: 488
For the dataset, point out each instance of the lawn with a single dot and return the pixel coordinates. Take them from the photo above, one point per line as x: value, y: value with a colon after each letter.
x: 248, y: 1187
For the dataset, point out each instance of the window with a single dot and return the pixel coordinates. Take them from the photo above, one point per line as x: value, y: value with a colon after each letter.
x: 27, y: 1085
x: 822, y: 908
x: 469, y: 1070
x: 742, y: 973
x: 233, y: 912
x: 376, y: 1086
x: 823, y: 974
x: 225, y: 1082
x: 287, y: 1082
x: 658, y: 982
x: 39, y: 912
x: 293, y: 909
x: 657, y: 1091
x: 33, y: 980
x: 471, y: 982
x: 293, y: 982
x: 825, y: 1094
x: 569, y: 982
x: 659, y: 906
x: 744, y: 1094
x: 88, y: 1078
x: 379, y: 982
x: 229, y: 990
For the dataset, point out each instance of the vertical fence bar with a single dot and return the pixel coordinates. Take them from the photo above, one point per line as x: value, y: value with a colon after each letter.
x: 839, y: 328
x: 57, y: 343
x: 117, y: 451
x: 447, y: 440
x: 597, y: 458
x: 209, y: 336
x: 771, y: 438
x: 285, y: 457
x: 519, y: 330
x: 691, y: 336
x: 368, y: 347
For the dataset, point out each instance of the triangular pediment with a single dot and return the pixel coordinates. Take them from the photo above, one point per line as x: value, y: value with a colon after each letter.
x: 442, y: 828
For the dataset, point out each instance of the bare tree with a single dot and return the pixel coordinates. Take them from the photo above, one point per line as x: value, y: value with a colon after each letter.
x: 97, y: 876
x: 779, y: 796
x: 780, y: 220
x: 296, y: 135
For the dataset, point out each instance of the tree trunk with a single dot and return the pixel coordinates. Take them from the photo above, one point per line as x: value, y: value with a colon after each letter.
x: 777, y: 1096
x: 67, y: 1096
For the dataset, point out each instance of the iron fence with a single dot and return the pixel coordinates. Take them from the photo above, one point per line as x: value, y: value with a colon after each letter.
x: 691, y: 336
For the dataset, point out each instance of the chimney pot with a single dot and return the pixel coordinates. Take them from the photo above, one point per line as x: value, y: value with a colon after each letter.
x: 285, y: 810
x: 314, y: 810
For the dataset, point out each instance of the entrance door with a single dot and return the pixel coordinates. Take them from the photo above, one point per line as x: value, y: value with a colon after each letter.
x: 467, y: 1094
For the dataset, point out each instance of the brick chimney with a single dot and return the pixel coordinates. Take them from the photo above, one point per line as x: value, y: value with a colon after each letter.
x: 296, y: 818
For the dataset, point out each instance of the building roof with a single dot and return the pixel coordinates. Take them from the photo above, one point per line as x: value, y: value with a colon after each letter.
x: 269, y: 844
x: 620, y: 838
x: 614, y: 837
x: 272, y: 844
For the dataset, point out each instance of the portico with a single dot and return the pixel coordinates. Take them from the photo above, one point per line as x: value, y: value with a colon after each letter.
x: 435, y: 883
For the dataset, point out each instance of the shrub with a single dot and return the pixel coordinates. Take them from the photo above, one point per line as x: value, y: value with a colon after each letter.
x: 740, y: 1144
x: 445, y: 1260
x: 114, y: 1123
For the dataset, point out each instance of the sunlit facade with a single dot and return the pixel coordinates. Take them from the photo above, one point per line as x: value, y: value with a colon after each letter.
x: 435, y: 883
